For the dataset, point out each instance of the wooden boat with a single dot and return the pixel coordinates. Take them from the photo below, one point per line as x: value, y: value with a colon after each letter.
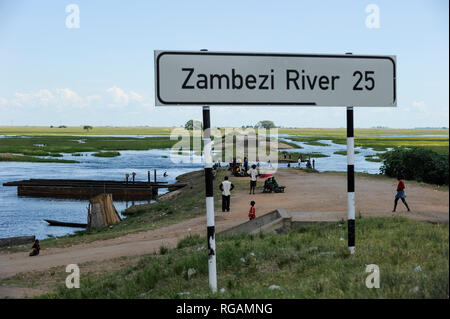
x: 10, y: 241
x: 86, y: 189
x: 64, y: 224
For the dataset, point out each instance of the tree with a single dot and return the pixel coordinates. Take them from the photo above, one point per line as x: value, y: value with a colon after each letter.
x: 265, y: 124
x: 87, y: 127
x: 192, y: 125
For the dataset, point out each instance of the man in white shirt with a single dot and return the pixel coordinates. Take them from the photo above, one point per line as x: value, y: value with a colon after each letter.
x: 226, y: 187
x: 253, y: 173
x: 299, y: 162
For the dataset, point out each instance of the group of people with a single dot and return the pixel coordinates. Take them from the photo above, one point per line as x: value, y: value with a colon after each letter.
x: 309, y: 164
x: 226, y: 187
x: 271, y: 185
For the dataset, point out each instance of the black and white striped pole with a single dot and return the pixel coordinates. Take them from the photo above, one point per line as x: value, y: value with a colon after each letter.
x: 209, y: 200
x: 350, y: 181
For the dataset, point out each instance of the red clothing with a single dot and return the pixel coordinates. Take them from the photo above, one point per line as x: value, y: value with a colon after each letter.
x: 252, y: 213
x: 401, y: 185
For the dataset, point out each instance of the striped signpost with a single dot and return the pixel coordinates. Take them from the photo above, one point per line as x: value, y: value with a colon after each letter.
x: 210, y: 227
x: 277, y: 79
x: 350, y: 181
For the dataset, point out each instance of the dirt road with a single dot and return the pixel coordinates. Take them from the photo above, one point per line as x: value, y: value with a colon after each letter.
x: 304, y: 193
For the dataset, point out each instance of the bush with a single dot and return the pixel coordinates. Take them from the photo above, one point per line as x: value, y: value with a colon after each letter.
x: 418, y: 164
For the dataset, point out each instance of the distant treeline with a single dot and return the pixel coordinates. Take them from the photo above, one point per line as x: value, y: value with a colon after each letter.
x: 417, y: 163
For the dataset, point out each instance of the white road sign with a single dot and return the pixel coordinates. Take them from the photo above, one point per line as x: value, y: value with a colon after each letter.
x: 230, y: 78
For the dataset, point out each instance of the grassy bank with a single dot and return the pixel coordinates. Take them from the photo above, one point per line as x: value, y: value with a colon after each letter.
x: 78, y: 130
x: 344, y: 152
x: 54, y: 145
x: 6, y: 157
x: 381, y: 143
x: 310, y: 262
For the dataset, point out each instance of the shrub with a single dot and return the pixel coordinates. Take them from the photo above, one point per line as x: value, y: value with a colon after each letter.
x: 418, y: 164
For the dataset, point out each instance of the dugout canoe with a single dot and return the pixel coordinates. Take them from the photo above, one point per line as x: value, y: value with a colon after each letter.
x: 65, y: 224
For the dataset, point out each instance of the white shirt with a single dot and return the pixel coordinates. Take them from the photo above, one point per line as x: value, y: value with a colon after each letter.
x: 226, y: 185
x: 253, y: 174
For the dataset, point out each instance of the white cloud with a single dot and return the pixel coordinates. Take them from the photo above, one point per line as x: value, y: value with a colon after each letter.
x: 62, y: 99
x: 117, y: 97
x: 419, y: 105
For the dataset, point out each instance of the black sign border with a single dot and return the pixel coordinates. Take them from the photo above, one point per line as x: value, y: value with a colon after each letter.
x: 351, y: 56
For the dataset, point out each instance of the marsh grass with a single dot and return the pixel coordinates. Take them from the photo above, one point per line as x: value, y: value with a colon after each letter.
x: 53, y: 146
x: 7, y: 157
x: 344, y: 152
x: 309, y: 262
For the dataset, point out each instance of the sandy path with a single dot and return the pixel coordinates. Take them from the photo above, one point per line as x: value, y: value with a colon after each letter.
x: 304, y: 193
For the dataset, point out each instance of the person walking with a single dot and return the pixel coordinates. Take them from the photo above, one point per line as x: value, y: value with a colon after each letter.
x: 226, y: 187
x: 299, y: 162
x: 253, y: 173
x: 314, y: 163
x: 252, y: 211
x: 400, y: 194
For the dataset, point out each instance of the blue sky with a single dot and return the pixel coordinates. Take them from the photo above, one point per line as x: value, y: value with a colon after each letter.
x: 102, y: 72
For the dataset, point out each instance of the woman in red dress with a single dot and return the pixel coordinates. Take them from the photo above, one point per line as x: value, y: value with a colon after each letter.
x: 400, y: 194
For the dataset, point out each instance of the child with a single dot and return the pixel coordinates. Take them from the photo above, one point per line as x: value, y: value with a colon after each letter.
x: 252, y: 211
x: 400, y: 194
x: 36, y: 248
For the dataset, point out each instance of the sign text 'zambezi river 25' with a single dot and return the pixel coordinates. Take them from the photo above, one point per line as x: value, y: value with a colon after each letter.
x: 227, y: 78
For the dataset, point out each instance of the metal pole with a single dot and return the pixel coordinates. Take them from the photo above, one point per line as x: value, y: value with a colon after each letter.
x: 154, y: 174
x: 350, y: 181
x: 210, y: 228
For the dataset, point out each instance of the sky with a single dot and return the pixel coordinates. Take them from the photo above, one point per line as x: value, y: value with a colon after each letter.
x: 101, y: 73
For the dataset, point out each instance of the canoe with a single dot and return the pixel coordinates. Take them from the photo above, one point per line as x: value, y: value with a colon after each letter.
x: 58, y: 223
x: 16, y: 240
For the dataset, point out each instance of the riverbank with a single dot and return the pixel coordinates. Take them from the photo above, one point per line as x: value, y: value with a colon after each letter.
x: 310, y: 262
x: 165, y: 223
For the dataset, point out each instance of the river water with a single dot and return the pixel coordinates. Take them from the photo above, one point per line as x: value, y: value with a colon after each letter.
x: 20, y: 216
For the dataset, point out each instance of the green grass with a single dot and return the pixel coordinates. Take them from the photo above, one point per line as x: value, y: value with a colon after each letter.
x: 6, y: 157
x: 310, y: 262
x: 372, y: 132
x: 380, y: 143
x: 344, y: 152
x: 54, y: 145
x: 106, y: 154
x: 78, y: 130
x: 373, y: 158
x: 316, y: 143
